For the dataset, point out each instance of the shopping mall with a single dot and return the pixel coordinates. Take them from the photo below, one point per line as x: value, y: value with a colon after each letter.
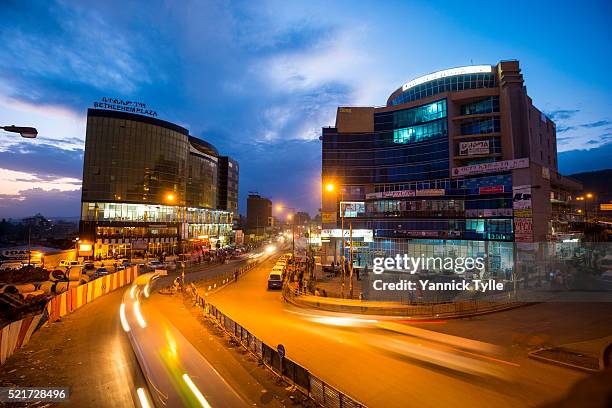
x: 458, y: 163
x: 149, y: 187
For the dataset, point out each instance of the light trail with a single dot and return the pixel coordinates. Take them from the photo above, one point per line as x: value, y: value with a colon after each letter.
x: 196, y: 391
x: 142, y: 397
x: 146, y: 290
x: 141, y: 320
x: 124, y: 322
x: 133, y: 291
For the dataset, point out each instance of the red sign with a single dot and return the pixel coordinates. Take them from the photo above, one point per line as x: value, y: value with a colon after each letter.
x: 490, y: 189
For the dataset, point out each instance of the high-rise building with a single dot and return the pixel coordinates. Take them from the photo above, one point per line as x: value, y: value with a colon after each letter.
x: 459, y: 161
x: 259, y: 214
x: 148, y: 186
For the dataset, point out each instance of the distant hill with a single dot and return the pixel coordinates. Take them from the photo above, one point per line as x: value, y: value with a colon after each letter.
x: 597, y: 182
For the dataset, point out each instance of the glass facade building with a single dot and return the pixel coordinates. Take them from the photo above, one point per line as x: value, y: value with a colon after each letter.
x: 150, y: 187
x: 437, y: 166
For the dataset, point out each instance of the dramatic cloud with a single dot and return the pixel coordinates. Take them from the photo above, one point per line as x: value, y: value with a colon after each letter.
x: 258, y: 79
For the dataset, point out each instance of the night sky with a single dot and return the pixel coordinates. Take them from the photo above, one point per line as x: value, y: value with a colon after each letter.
x: 260, y: 79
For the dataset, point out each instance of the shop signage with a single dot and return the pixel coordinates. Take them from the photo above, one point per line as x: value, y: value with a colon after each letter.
x: 328, y: 216
x: 490, y: 189
x: 366, y: 234
x: 124, y: 106
x: 523, y: 229
x: 430, y: 192
x: 493, y: 167
x: 373, y: 195
x: 397, y: 194
x: 17, y: 253
x: 526, y: 212
x: 475, y: 147
x: 605, y: 207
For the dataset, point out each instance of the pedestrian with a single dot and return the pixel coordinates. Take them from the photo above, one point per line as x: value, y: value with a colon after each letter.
x: 236, y: 275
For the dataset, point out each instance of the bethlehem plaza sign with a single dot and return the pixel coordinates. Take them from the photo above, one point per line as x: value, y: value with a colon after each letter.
x: 124, y: 106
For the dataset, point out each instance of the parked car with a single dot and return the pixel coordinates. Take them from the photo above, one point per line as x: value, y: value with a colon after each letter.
x: 275, y: 280
x: 101, y: 272
x: 88, y: 265
x: 11, y: 265
x: 155, y: 264
x: 69, y: 264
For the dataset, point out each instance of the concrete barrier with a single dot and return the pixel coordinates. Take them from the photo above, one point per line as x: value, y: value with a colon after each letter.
x: 17, y: 334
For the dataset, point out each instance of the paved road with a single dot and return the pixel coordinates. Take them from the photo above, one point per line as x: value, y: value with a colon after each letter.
x: 172, y: 364
x: 389, y: 364
x: 86, y: 351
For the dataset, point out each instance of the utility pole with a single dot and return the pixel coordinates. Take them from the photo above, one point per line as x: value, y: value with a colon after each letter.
x: 351, y: 259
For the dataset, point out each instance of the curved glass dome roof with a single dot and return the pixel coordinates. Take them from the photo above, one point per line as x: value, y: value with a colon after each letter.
x: 448, y: 80
x: 203, y: 146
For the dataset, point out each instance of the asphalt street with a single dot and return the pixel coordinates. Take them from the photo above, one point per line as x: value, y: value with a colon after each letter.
x: 390, y: 363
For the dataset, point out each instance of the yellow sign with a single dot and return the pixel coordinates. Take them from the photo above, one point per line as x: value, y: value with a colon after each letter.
x: 523, y: 213
x: 328, y: 216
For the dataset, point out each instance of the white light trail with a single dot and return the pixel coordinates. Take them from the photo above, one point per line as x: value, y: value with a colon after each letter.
x: 141, y: 320
x: 142, y: 396
x: 196, y: 391
x: 124, y: 323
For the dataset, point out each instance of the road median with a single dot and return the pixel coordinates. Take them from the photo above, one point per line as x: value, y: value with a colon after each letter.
x: 449, y: 310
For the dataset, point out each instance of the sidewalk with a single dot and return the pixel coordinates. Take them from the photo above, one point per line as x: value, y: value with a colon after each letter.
x: 584, y: 355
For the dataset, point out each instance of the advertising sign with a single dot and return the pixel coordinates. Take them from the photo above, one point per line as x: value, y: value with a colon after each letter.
x: 605, y: 207
x: 396, y: 194
x: 526, y: 212
x: 373, y: 195
x: 352, y: 208
x: 430, y: 192
x: 491, y: 167
x: 328, y: 216
x: 475, y: 147
x: 366, y: 234
x: 521, y: 197
x: 491, y: 190
x: 523, y: 229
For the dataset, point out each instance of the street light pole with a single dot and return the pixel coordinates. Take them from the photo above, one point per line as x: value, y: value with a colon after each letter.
x: 24, y: 131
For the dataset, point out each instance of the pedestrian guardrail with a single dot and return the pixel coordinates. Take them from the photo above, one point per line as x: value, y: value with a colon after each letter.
x: 310, y: 385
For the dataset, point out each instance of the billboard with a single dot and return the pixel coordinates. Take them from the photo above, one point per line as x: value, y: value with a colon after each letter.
x: 352, y: 209
x: 523, y: 229
x: 475, y: 147
x: 493, y: 167
x: 521, y: 197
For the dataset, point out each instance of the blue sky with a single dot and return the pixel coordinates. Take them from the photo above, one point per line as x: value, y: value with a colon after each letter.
x: 260, y: 79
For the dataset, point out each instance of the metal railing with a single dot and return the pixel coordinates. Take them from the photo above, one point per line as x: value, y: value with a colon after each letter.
x: 315, y: 388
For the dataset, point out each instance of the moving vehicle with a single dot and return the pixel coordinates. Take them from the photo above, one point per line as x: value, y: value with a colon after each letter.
x: 275, y: 280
